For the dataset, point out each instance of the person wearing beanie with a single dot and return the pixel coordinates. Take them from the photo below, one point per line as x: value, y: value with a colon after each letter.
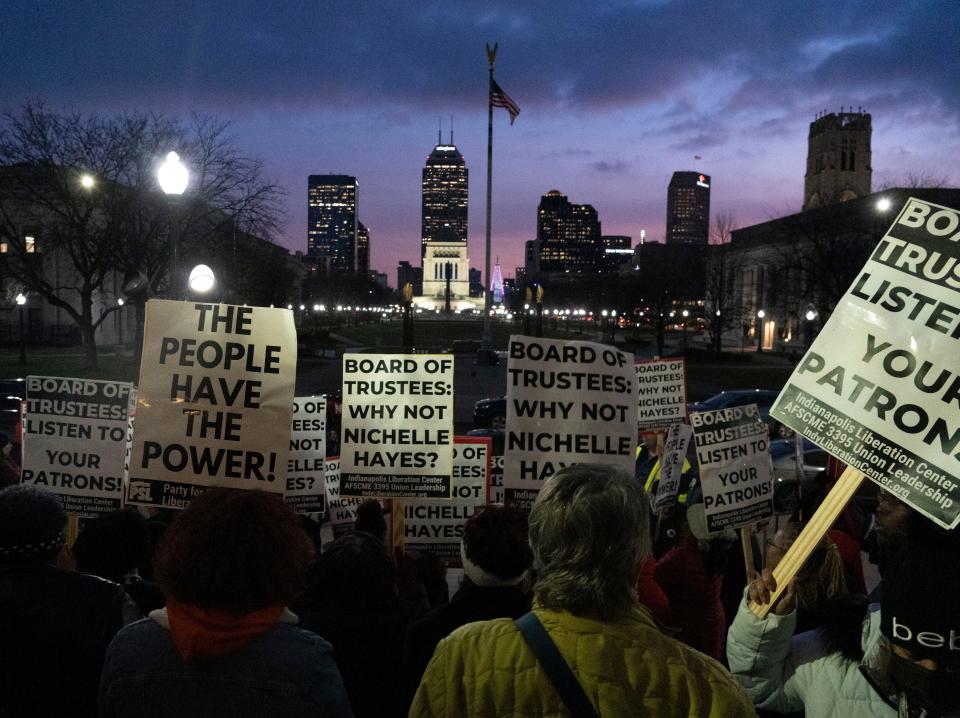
x: 496, y: 557
x: 226, y: 645
x: 910, y: 662
x: 691, y: 576
x: 55, y: 625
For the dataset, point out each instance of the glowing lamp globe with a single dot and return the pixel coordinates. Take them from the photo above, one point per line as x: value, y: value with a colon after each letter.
x: 172, y: 175
x: 201, y: 278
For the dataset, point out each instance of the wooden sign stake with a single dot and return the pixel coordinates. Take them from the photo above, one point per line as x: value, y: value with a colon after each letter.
x: 811, y: 535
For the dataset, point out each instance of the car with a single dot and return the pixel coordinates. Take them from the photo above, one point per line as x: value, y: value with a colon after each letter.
x: 12, y: 394
x: 812, y: 473
x: 763, y: 398
x: 490, y: 413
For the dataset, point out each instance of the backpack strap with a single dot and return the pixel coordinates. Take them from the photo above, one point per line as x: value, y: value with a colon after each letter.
x: 556, y: 668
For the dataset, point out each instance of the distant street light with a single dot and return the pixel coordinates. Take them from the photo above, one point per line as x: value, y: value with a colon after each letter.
x: 201, y: 278
x: 87, y: 181
x: 811, y: 315
x: 884, y: 204
x: 761, y: 314
x: 21, y: 300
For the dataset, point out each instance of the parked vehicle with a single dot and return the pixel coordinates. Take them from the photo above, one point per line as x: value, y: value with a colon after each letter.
x: 763, y: 398
x: 490, y: 413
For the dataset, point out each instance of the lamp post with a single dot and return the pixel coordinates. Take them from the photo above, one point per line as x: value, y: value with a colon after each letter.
x: 760, y: 315
x: 685, y: 313
x: 173, y: 178
x: 810, y: 316
x: 408, y: 317
x: 21, y: 300
x: 120, y: 321
x: 539, y: 330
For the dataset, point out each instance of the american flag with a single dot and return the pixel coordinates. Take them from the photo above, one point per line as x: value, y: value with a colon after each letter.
x: 499, y: 98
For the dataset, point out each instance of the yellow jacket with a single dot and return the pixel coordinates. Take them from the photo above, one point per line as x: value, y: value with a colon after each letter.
x: 627, y: 668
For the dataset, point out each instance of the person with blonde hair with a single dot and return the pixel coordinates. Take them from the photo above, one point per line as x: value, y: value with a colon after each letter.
x: 587, y: 647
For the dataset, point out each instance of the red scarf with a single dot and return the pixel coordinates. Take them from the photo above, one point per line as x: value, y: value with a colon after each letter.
x: 202, y: 633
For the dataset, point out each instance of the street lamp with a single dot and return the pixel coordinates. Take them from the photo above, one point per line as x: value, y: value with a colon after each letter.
x: 87, y: 181
x: 884, y: 204
x: 201, y: 279
x: 21, y: 300
x: 173, y: 177
x: 760, y: 315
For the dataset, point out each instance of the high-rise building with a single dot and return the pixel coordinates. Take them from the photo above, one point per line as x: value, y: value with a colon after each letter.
x: 408, y: 274
x: 568, y: 236
x: 363, y: 249
x: 444, y: 196
x: 838, y: 159
x: 332, y: 222
x: 616, y: 251
x: 688, y: 208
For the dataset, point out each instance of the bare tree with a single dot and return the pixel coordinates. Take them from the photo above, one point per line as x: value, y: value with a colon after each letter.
x: 723, y: 307
x: 84, y: 186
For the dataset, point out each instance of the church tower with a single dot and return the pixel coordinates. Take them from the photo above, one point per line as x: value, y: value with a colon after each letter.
x: 838, y: 158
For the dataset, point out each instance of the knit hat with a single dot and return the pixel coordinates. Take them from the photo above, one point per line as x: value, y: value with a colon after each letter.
x: 495, y: 549
x: 697, y: 521
x: 919, y: 608
x: 31, y: 524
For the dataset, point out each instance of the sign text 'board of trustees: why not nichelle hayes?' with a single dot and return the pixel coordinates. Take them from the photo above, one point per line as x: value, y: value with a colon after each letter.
x: 880, y: 386
x: 568, y: 402
x: 397, y: 438
x: 215, y: 401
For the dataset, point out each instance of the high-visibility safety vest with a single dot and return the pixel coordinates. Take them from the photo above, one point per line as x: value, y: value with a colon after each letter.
x: 654, y: 475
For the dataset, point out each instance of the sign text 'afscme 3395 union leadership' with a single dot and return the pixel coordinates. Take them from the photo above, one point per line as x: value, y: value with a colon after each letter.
x: 880, y: 387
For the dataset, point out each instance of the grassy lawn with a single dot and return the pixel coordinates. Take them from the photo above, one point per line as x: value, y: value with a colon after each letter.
x: 439, y: 334
x: 42, y: 361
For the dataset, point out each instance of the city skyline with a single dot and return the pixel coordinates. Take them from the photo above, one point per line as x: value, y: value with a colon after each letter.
x: 736, y: 88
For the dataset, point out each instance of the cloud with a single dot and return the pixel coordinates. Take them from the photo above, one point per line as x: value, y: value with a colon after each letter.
x: 610, y: 166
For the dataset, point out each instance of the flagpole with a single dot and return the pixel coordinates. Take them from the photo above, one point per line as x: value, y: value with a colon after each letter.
x: 486, y: 344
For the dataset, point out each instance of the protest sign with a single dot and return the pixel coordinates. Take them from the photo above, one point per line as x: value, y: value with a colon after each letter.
x: 662, y: 393
x: 671, y: 468
x: 341, y: 510
x: 308, y: 449
x: 215, y: 401
x: 879, y: 388
x: 736, y: 473
x: 436, y: 525
x: 75, y: 440
x: 568, y: 402
x: 397, y: 425
x: 495, y: 483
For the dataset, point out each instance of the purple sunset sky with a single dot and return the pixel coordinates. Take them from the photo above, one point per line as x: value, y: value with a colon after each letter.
x: 614, y: 95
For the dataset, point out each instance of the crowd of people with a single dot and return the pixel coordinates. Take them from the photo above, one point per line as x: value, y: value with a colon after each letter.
x: 589, y: 604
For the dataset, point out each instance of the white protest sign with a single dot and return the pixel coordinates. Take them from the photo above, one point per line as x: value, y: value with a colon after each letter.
x: 397, y: 425
x: 215, y: 401
x: 880, y: 386
x: 308, y: 449
x: 436, y: 525
x: 75, y: 441
x: 671, y: 469
x: 662, y: 392
x: 568, y: 402
x: 495, y: 483
x: 341, y: 510
x: 736, y: 473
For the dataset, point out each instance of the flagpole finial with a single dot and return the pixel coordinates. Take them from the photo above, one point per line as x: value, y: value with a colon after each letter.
x: 492, y: 53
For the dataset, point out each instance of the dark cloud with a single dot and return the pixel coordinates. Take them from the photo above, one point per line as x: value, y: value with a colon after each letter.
x: 610, y: 166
